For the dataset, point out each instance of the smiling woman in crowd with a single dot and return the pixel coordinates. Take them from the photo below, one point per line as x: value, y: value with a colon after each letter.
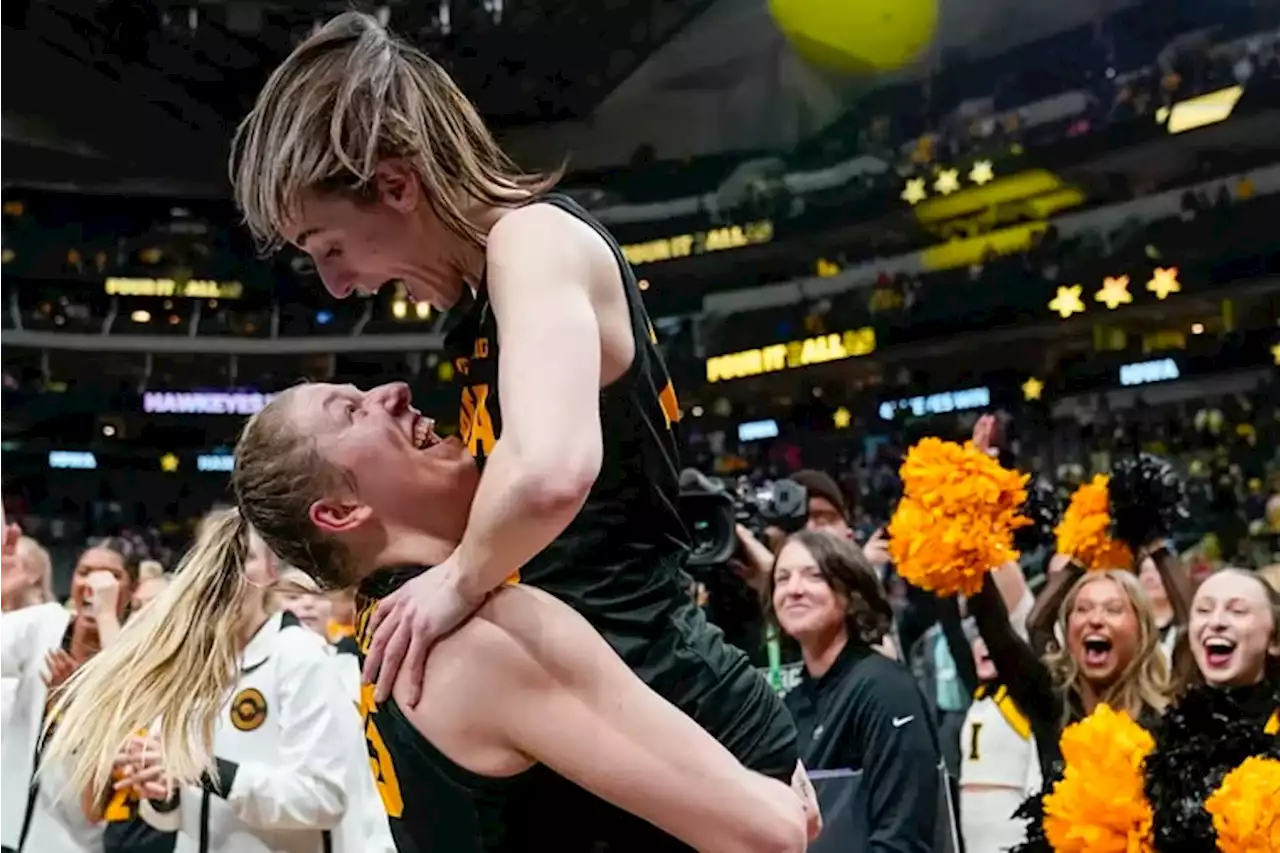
x: 856, y: 709
x: 1110, y: 654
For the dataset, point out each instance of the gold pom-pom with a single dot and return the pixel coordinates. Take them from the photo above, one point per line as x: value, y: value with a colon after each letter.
x: 1246, y: 807
x: 956, y: 519
x: 1084, y: 533
x: 1098, y: 806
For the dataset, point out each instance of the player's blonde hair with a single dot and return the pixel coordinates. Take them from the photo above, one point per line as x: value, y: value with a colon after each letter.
x: 176, y: 660
x: 349, y: 97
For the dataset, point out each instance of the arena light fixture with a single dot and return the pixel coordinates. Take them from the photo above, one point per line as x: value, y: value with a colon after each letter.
x: 1163, y: 282
x: 140, y: 316
x: 169, y: 463
x: 914, y: 193
x: 1032, y: 389
x: 1200, y: 111
x: 982, y: 172
x: 1068, y: 301
x: 1114, y: 292
x: 842, y: 418
x: 948, y: 181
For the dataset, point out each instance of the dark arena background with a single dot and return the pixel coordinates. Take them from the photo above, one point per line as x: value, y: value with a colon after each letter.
x: 852, y: 228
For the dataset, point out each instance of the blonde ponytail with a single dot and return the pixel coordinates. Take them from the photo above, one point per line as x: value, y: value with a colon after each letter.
x: 173, y: 662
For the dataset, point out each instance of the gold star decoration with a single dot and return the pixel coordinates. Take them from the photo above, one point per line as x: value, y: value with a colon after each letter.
x: 1114, y: 292
x: 914, y: 193
x: 1068, y: 301
x: 1275, y: 353
x: 1164, y: 281
x: 1032, y: 389
x: 948, y: 181
x: 842, y: 418
x: 169, y: 463
x: 982, y: 172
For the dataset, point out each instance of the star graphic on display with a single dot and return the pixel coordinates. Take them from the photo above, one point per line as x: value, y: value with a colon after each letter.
x: 1068, y: 301
x: 1275, y: 352
x: 982, y: 172
x: 1115, y: 292
x: 1164, y: 281
x: 169, y: 463
x: 948, y: 181
x: 915, y: 191
x: 1032, y: 389
x: 842, y: 418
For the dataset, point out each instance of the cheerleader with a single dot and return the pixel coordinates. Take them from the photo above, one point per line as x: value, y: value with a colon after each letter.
x: 999, y: 764
x: 1111, y: 655
x: 290, y: 768
x: 1215, y: 753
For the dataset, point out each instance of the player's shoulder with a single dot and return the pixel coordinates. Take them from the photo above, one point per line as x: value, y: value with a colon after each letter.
x: 520, y: 633
x: 547, y: 231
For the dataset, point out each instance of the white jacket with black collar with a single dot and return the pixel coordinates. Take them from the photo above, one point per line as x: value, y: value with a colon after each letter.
x: 35, y: 818
x: 292, y: 765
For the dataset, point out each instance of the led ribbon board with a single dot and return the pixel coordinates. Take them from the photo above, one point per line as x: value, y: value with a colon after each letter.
x: 793, y: 354
x: 204, y: 402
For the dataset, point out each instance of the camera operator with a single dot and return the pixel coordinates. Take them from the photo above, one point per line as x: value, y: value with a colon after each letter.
x: 827, y: 513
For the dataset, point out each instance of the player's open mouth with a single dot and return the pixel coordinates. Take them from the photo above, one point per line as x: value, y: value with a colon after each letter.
x: 1218, y: 652
x: 1097, y: 650
x: 423, y: 433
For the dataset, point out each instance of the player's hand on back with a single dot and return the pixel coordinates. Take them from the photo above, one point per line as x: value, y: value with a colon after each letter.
x: 406, y: 624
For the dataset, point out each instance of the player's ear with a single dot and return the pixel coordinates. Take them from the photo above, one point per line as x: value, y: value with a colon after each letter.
x: 397, y: 184
x: 337, y: 516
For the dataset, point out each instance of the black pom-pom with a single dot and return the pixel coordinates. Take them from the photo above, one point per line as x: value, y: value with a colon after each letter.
x: 1200, y: 740
x: 1148, y: 500
x: 1032, y: 811
x: 1044, y: 506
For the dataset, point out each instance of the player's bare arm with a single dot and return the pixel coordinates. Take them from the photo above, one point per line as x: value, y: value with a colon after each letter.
x: 543, y: 279
x: 549, y: 688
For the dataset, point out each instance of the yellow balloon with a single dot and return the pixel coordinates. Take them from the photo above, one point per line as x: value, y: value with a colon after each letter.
x: 857, y: 36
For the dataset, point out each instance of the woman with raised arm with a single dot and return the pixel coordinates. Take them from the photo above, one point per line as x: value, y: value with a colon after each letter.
x: 41, y: 647
x: 352, y: 487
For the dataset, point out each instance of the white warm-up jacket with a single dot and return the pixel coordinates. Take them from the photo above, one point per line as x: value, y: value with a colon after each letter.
x: 35, y: 818
x: 293, y: 772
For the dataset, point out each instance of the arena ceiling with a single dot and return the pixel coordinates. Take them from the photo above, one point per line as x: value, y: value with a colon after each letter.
x: 138, y: 92
x: 140, y: 97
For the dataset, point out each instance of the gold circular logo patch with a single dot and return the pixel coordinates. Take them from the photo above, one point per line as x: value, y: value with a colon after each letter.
x: 248, y: 710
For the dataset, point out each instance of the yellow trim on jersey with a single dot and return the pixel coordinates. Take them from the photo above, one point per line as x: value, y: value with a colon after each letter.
x: 1008, y: 709
x: 1273, y: 724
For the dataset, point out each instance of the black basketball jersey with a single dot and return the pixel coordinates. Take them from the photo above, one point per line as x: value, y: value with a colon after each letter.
x: 126, y: 832
x: 619, y: 561
x: 433, y: 804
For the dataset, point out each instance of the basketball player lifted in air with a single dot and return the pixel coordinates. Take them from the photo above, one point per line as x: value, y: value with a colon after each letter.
x: 362, y: 152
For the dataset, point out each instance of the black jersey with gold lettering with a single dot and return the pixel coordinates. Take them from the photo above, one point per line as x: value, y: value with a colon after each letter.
x: 618, y: 563
x: 433, y: 804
